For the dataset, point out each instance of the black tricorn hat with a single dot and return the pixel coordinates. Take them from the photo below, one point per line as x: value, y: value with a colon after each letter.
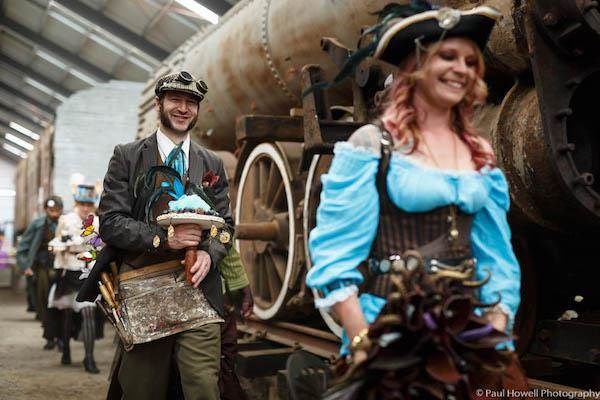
x: 401, y: 26
x: 399, y: 38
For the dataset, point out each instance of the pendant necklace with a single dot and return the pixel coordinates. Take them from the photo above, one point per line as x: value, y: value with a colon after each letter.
x: 453, y: 231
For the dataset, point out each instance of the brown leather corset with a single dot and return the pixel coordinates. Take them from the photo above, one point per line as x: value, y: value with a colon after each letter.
x: 440, y: 235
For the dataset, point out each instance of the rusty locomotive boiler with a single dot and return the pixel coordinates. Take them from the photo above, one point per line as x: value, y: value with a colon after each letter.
x: 543, y: 63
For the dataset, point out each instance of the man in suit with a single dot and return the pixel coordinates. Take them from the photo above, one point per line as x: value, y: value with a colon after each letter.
x: 144, y: 371
x: 34, y: 259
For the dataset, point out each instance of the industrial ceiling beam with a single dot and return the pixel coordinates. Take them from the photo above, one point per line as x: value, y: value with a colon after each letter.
x: 9, y: 156
x: 53, y: 48
x: 18, y: 93
x: 4, y: 127
x: 4, y: 140
x: 218, y: 6
x: 8, y: 63
x: 118, y: 30
x: 18, y: 146
x: 18, y: 116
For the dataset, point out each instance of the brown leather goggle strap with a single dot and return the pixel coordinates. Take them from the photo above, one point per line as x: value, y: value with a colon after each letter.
x: 151, y: 270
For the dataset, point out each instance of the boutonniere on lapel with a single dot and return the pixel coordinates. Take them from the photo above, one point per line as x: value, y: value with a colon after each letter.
x: 209, y: 179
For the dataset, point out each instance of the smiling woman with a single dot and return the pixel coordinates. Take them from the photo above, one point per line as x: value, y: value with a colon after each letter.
x: 429, y: 105
x: 416, y: 201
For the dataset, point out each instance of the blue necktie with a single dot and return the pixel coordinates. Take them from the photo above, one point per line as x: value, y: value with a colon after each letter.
x: 178, y: 158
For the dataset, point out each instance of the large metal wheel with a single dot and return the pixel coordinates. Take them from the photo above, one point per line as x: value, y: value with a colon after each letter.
x: 318, y: 166
x: 265, y: 226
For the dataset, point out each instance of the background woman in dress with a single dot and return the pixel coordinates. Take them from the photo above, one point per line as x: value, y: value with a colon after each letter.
x: 67, y: 244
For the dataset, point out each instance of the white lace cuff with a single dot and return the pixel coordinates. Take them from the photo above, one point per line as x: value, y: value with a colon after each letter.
x: 336, y: 296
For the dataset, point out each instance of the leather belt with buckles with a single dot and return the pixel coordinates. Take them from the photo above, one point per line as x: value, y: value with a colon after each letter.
x: 411, y: 260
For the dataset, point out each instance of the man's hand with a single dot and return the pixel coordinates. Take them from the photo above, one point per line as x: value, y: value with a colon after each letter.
x: 185, y: 235
x: 247, y: 302
x: 201, y: 267
x: 28, y: 272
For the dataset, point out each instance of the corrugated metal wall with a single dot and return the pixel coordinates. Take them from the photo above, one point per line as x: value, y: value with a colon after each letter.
x: 32, y: 200
x: 46, y: 162
x: 21, y: 189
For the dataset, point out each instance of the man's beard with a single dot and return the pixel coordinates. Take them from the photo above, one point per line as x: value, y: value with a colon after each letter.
x: 53, y: 218
x: 166, y: 122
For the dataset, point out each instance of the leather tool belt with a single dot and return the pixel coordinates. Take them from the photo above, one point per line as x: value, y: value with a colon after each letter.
x: 378, y: 275
x: 154, y: 302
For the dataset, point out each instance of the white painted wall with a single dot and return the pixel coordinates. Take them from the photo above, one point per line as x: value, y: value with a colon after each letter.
x: 7, y: 198
x: 88, y: 126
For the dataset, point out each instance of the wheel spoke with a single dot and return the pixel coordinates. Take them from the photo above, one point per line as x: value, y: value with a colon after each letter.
x: 263, y: 289
x: 273, y: 174
x: 262, y: 178
x: 279, y: 263
x: 253, y: 183
x: 272, y: 279
x: 278, y: 197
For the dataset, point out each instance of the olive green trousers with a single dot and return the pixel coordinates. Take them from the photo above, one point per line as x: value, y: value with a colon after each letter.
x: 144, y: 371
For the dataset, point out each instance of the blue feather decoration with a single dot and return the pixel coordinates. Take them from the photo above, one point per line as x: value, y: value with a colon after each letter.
x: 178, y: 189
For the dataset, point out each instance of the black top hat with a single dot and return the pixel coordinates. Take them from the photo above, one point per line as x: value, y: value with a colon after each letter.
x: 399, y: 37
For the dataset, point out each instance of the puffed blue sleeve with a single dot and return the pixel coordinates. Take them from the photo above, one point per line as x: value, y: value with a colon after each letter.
x: 490, y: 238
x: 347, y: 220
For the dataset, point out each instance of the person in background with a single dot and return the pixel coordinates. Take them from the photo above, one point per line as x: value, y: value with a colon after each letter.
x: 34, y: 259
x: 238, y: 299
x: 66, y: 245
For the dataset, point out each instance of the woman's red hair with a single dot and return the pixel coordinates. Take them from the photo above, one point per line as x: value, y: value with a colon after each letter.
x: 399, y: 116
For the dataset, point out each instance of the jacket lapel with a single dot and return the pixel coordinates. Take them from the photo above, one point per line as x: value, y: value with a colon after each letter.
x: 149, y: 150
x: 196, y: 168
x: 148, y: 160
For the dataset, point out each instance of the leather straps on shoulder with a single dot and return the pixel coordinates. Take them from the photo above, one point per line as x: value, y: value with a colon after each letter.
x: 384, y: 162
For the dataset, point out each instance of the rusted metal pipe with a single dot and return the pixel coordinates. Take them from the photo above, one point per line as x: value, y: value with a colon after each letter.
x: 306, y: 330
x: 265, y: 231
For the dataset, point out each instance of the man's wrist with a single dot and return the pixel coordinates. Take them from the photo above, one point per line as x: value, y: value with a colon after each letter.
x: 159, y: 241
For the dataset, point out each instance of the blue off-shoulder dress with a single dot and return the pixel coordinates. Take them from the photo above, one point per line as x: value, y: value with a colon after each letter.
x: 348, y: 215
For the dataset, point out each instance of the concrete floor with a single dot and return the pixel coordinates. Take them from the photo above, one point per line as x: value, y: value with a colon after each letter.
x: 28, y: 372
